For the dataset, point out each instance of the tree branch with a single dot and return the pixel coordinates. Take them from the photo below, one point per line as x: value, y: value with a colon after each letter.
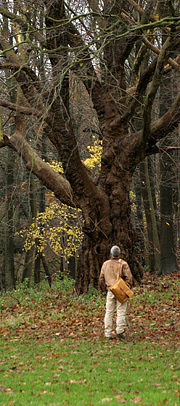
x: 17, y: 67
x: 157, y: 51
x: 23, y: 74
x: 159, y: 150
x: 159, y: 129
x: 50, y: 178
x: 16, y: 107
x: 88, y: 74
x: 140, y: 10
x: 136, y: 94
x: 167, y: 123
x: 155, y: 83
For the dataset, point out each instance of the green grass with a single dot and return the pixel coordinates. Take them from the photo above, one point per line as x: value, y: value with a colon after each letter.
x: 88, y: 372
x: 53, y: 350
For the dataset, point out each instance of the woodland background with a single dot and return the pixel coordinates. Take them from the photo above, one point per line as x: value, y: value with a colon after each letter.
x: 39, y: 235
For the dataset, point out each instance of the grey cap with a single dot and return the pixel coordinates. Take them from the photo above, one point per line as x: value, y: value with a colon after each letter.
x: 115, y: 251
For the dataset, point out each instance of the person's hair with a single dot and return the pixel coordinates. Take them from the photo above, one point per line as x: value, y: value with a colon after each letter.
x: 115, y: 251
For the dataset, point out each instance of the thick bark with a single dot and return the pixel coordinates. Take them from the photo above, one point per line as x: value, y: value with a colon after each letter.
x: 97, y: 248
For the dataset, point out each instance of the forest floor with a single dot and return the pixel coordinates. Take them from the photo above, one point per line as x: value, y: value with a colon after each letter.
x: 50, y: 328
x: 152, y: 314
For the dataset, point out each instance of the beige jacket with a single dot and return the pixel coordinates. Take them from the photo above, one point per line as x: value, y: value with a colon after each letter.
x: 112, y: 269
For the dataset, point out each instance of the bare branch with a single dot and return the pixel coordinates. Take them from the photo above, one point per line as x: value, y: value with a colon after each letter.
x: 158, y: 150
x: 155, y: 83
x: 21, y: 109
x: 135, y: 94
x: 140, y: 10
x: 167, y: 123
x: 157, y: 51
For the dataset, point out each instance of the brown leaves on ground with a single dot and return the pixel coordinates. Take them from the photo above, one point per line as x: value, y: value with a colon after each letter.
x: 156, y: 317
x: 152, y: 315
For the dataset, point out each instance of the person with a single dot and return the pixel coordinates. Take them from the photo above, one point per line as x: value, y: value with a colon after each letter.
x: 110, y: 272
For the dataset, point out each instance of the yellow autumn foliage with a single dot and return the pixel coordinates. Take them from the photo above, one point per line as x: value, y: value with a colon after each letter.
x: 95, y: 155
x: 60, y: 226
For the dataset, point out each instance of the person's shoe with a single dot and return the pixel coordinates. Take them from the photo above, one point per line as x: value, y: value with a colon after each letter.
x: 121, y: 336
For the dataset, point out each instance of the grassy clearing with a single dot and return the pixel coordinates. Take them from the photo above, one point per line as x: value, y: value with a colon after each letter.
x: 53, y: 350
x: 88, y: 373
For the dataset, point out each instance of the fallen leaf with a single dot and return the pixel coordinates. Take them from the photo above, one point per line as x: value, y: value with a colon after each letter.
x: 137, y: 399
x: 120, y: 399
x: 79, y: 382
x: 8, y: 390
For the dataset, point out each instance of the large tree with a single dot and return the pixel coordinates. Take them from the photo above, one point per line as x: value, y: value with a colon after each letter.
x: 95, y: 42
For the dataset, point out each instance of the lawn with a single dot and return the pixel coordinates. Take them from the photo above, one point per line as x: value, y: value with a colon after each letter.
x: 53, y: 350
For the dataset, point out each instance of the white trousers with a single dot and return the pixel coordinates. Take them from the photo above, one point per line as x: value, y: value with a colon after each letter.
x: 111, y: 304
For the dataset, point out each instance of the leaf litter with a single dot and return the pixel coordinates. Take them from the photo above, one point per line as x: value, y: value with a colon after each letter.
x: 152, y: 314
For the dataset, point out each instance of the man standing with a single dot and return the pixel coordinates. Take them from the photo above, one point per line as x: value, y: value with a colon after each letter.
x: 111, y: 270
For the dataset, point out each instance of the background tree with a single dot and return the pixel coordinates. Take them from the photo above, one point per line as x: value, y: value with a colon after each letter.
x: 168, y: 256
x: 96, y: 45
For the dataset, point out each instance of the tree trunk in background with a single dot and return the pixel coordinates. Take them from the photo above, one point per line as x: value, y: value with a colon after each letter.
x: 42, y: 201
x: 152, y: 230
x: 30, y: 254
x: 46, y: 270
x: 148, y: 244
x: 141, y: 250
x: 28, y: 266
x: 2, y: 276
x: 155, y: 240
x: 176, y: 200
x: 9, y: 227
x: 2, y: 267
x: 168, y: 255
x: 153, y: 170
x: 42, y: 206
x: 9, y: 231
x: 37, y: 266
